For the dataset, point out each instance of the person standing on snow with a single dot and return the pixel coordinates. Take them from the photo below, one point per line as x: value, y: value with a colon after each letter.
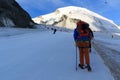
x: 82, y: 37
x: 54, y: 31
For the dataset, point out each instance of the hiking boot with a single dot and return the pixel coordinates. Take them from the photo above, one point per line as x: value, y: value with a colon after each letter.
x: 81, y: 66
x: 88, y: 68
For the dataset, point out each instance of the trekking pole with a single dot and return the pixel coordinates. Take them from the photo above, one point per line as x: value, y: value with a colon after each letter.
x: 76, y: 58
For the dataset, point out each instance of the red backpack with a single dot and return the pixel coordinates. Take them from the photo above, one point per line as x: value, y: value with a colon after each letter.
x: 83, y: 35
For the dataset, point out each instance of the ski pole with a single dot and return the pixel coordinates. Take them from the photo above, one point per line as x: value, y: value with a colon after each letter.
x: 76, y: 58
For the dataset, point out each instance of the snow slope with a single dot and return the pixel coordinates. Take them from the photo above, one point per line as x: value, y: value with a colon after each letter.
x: 119, y: 27
x: 110, y: 40
x: 44, y: 56
x: 6, y: 22
x: 108, y: 46
x: 68, y: 16
x: 8, y: 31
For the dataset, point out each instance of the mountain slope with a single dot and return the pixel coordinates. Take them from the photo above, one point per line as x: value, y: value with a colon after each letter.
x: 11, y: 14
x: 68, y: 16
x: 119, y: 26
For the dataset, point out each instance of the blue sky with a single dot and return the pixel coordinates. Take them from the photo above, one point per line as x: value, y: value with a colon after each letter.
x: 107, y: 8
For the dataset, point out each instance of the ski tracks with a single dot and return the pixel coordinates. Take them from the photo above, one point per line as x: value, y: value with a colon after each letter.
x: 111, y: 58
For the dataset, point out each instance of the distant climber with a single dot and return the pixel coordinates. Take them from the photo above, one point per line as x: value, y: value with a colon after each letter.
x: 54, y: 31
x: 112, y: 35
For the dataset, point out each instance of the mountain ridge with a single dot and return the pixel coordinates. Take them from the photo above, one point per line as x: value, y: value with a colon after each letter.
x: 68, y: 16
x: 13, y: 15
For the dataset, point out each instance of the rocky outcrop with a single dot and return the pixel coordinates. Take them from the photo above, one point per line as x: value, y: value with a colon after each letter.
x: 11, y: 14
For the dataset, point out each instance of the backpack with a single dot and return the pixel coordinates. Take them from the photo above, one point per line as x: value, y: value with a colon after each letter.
x: 84, y: 36
x: 83, y: 33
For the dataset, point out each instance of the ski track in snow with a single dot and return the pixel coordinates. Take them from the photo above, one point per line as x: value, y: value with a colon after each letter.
x: 111, y: 58
x: 44, y: 56
x: 107, y: 46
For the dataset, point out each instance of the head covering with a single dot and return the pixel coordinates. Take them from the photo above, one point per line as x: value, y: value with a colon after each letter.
x: 79, y: 23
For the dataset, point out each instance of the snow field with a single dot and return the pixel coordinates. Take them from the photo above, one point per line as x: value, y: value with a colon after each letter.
x: 44, y: 56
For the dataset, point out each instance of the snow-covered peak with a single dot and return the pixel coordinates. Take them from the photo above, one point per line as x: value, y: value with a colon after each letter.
x: 69, y: 9
x: 68, y: 16
x: 74, y: 9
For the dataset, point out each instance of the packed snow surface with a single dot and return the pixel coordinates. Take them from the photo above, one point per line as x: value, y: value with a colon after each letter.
x: 42, y: 55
